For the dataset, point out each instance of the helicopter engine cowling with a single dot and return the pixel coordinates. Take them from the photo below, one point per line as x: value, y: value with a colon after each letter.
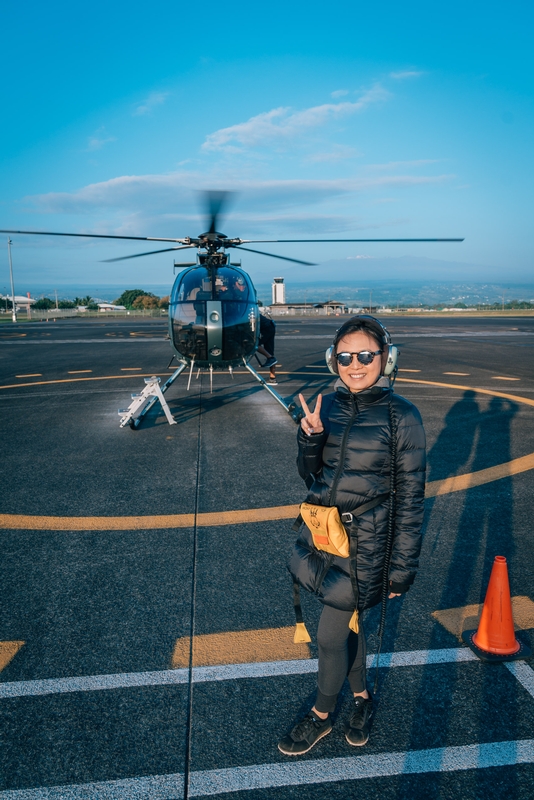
x: 214, y: 315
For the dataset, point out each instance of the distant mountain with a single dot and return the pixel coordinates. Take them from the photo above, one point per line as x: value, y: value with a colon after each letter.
x: 362, y: 268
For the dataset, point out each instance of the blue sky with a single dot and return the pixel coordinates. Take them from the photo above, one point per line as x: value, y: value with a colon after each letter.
x: 327, y: 119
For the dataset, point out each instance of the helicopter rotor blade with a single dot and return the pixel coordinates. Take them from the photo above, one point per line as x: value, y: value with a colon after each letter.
x: 272, y: 255
x: 95, y: 236
x: 151, y: 253
x: 215, y: 202
x: 265, y: 241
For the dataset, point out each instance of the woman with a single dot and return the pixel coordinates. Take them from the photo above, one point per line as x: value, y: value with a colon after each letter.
x: 345, y: 458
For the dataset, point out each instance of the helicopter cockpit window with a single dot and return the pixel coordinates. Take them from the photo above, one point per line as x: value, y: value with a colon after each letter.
x: 195, y: 285
x: 188, y: 313
x: 231, y: 285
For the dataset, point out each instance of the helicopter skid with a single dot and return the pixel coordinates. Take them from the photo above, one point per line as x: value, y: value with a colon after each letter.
x: 294, y: 412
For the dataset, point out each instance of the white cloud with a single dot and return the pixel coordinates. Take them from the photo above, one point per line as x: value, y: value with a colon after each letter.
x: 357, y: 258
x: 421, y: 162
x: 408, y: 73
x: 339, y: 93
x: 98, y: 140
x: 154, y: 99
x: 282, y: 123
x: 339, y: 152
x: 176, y: 192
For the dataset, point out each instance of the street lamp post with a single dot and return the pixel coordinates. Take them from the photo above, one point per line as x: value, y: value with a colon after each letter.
x: 13, y: 308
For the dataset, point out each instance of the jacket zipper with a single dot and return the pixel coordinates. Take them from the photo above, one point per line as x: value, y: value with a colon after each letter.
x: 337, y: 475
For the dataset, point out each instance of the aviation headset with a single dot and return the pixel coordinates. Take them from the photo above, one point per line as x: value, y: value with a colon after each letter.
x: 379, y: 331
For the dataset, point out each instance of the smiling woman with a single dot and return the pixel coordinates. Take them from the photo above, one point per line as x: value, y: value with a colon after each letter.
x: 361, y: 453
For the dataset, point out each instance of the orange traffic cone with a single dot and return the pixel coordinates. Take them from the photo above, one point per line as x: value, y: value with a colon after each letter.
x: 495, y: 639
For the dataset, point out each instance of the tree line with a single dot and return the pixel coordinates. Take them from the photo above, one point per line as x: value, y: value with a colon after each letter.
x: 132, y: 299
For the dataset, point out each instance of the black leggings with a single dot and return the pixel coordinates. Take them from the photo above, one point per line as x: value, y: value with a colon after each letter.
x: 342, y: 654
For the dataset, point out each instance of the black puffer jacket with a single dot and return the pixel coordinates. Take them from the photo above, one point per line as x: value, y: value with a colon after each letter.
x: 347, y: 465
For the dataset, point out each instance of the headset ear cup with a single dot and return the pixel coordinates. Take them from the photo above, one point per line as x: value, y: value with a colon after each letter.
x: 391, y: 359
x: 331, y: 362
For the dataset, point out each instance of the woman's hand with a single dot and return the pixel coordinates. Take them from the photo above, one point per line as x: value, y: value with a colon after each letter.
x: 311, y: 423
x: 393, y: 594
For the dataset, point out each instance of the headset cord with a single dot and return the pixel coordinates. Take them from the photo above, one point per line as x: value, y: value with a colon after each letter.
x: 389, y: 537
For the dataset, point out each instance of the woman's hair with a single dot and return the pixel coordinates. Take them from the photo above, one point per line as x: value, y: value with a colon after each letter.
x: 358, y: 326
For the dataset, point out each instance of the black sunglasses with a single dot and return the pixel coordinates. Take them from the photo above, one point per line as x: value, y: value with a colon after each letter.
x: 364, y: 357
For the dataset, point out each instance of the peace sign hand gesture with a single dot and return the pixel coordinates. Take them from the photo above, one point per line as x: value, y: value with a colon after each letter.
x: 311, y: 423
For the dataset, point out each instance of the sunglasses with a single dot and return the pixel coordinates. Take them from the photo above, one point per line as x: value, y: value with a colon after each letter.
x: 364, y: 357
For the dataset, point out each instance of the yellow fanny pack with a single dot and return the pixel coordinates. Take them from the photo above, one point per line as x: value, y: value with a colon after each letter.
x: 326, y: 528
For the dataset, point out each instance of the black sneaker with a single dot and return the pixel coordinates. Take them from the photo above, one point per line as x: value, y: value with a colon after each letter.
x: 357, y: 729
x: 270, y: 362
x: 304, y: 735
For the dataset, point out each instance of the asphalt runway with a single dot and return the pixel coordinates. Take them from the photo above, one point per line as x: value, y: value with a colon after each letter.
x: 146, y: 612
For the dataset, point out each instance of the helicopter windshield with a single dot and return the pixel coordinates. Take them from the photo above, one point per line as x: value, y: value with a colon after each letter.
x: 214, y: 315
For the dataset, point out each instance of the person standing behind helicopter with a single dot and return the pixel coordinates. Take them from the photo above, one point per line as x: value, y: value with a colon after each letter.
x: 346, y: 449
x: 266, y: 345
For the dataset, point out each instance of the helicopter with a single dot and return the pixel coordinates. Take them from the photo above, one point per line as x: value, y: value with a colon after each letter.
x: 214, y: 317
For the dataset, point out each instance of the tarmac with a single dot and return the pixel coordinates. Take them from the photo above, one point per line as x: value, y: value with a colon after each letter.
x: 146, y: 628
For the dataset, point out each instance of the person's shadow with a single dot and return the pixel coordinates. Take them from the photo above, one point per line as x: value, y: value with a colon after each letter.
x: 484, y: 531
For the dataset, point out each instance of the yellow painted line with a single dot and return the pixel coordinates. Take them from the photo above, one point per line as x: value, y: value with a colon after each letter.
x: 131, y: 369
x: 31, y: 375
x: 502, y: 378
x: 154, y: 522
x: 78, y: 371
x: 239, y: 647
x: 458, y: 483
x: 410, y: 370
x: 8, y: 651
x: 471, y: 479
x: 526, y: 400
x: 465, y: 618
x: 78, y: 380
x: 460, y: 374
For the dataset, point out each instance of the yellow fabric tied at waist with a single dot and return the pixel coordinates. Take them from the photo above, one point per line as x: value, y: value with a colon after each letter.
x: 326, y: 528
x: 354, y: 622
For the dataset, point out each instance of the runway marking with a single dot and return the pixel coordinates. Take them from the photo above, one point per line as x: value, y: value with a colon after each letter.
x: 460, y: 374
x: 409, y: 370
x: 465, y: 618
x: 239, y: 647
x: 30, y: 375
x: 523, y: 673
x: 157, y: 522
x: 502, y: 378
x: 78, y: 371
x: 207, y: 783
x: 131, y: 369
x: 79, y: 380
x: 8, y: 651
x: 249, y: 515
x: 220, y: 672
x: 516, y: 398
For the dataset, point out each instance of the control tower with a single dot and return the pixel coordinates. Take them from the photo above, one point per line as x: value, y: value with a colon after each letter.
x: 279, y: 291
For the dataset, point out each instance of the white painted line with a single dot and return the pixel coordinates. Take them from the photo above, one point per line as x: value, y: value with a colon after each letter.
x: 136, y: 339
x: 223, y: 672
x: 523, y: 673
x: 269, y: 776
x: 440, y: 759
x: 151, y: 787
x: 449, y: 335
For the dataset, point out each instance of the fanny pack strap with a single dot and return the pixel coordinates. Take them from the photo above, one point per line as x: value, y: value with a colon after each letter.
x: 353, y: 552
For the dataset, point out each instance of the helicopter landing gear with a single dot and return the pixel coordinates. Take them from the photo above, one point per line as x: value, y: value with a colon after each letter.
x: 143, y: 402
x: 294, y: 412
